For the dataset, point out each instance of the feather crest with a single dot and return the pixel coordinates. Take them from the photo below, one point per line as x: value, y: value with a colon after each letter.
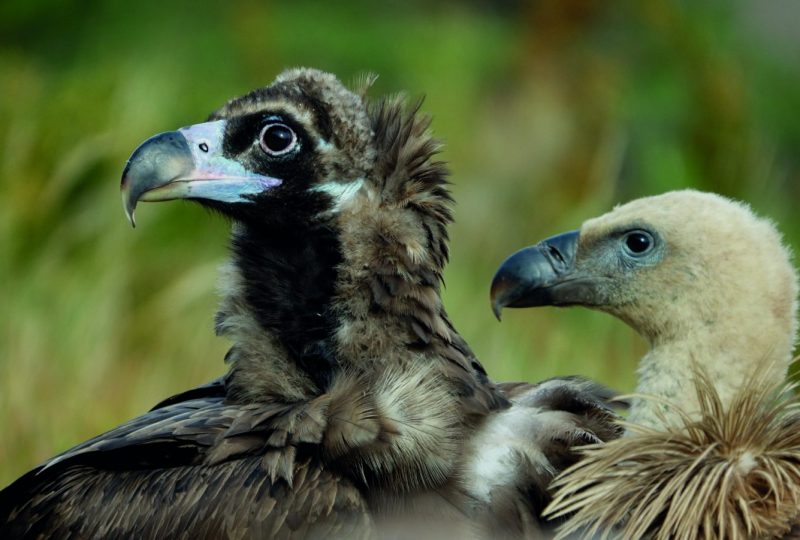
x: 406, y: 161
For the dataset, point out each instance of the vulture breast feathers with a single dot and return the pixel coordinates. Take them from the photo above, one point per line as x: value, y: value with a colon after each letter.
x: 349, y: 394
x: 713, y: 442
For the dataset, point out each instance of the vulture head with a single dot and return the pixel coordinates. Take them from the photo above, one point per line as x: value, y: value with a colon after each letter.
x: 712, y: 442
x: 340, y: 213
x: 699, y: 276
x: 302, y: 144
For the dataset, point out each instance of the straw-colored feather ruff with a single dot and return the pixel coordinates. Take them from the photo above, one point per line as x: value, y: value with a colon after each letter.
x: 732, y: 473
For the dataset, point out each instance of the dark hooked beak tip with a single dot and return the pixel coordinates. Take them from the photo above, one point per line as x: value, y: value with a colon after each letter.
x: 497, y: 309
x: 504, y: 286
x: 526, y: 278
x: 155, y: 163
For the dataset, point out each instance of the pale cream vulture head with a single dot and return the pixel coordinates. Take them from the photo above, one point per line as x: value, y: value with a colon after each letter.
x: 709, y: 266
x: 699, y: 276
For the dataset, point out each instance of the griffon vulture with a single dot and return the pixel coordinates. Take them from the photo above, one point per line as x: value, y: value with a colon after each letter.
x: 713, y: 442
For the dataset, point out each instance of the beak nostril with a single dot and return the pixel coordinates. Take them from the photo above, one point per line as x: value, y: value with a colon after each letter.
x: 556, y: 254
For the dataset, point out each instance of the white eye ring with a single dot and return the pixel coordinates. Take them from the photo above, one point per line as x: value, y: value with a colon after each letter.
x: 277, y: 139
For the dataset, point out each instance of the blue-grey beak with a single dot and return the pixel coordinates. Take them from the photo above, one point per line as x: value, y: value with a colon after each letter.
x: 188, y: 164
x: 541, y: 275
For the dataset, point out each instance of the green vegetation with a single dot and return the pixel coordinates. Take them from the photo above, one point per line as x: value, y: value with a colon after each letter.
x: 552, y: 112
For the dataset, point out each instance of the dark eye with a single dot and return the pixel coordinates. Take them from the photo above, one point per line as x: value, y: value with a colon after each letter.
x: 277, y: 139
x: 638, y: 242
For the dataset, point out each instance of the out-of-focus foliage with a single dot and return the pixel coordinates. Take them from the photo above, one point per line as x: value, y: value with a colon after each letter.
x: 553, y: 111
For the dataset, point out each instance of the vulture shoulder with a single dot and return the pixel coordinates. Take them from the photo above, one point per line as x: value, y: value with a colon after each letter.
x: 712, y: 447
x: 513, y: 458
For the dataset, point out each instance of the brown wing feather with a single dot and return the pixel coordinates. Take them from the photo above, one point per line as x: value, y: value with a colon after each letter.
x: 198, y: 469
x: 236, y: 499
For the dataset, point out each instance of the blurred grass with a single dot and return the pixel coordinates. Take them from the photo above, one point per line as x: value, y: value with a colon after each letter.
x: 553, y: 111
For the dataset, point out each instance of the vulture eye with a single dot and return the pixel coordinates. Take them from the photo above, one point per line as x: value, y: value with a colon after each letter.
x: 277, y: 139
x: 638, y: 243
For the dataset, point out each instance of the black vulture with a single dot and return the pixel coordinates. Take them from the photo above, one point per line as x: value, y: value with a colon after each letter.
x: 350, y: 400
x: 713, y: 442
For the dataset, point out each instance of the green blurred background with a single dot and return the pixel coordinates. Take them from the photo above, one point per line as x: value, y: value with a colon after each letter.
x: 552, y: 111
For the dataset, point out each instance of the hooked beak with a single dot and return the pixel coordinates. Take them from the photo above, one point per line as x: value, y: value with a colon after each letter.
x: 188, y: 164
x: 542, y: 275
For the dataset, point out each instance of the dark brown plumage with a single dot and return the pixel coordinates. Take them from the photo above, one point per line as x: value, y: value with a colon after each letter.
x: 350, y: 395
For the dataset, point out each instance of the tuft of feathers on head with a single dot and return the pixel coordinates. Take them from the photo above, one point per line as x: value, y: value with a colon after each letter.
x: 363, y: 83
x: 729, y: 473
x: 406, y: 156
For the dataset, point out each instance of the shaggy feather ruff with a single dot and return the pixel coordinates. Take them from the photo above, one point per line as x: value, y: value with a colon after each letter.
x: 729, y: 473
